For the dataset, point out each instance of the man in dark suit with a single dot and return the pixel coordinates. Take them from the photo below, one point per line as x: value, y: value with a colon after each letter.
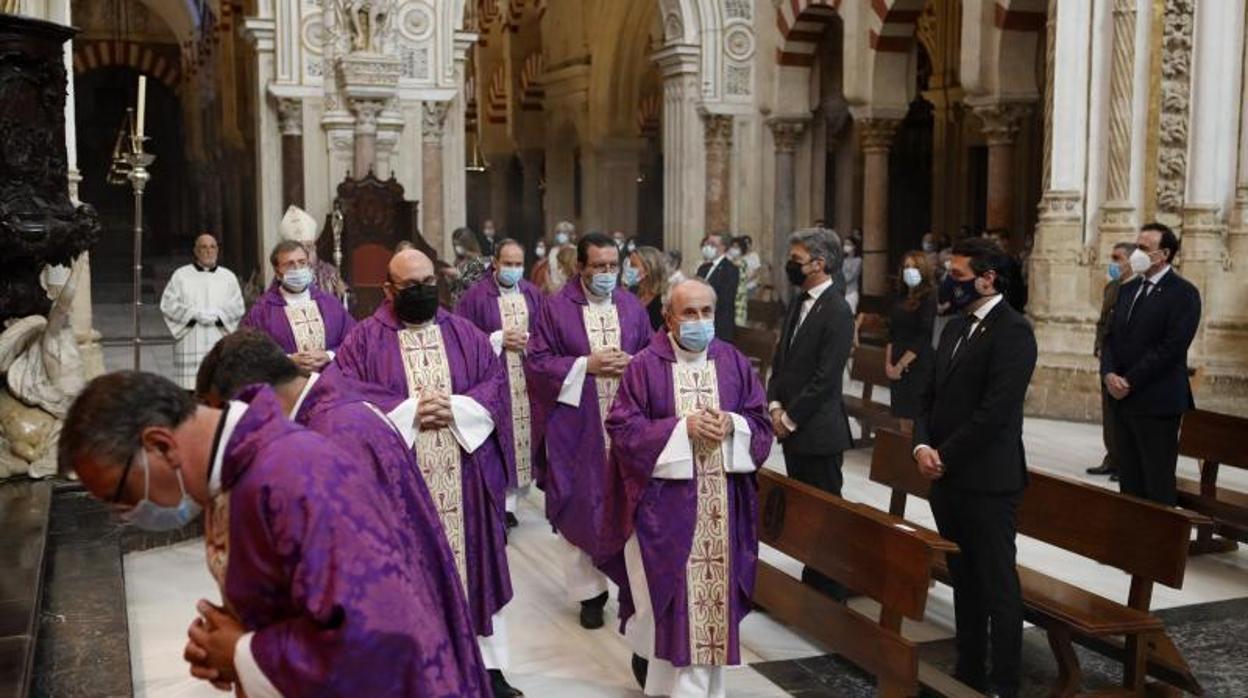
x: 1144, y: 366
x: 804, y: 391
x: 724, y: 277
x: 969, y: 442
x: 1119, y: 273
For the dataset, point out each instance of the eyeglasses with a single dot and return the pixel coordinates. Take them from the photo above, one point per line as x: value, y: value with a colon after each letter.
x: 125, y: 473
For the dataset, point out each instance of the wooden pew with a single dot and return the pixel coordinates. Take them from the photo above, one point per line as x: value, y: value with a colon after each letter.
x: 1215, y: 440
x: 766, y: 315
x: 867, y: 366
x: 866, y: 550
x: 1145, y: 540
x: 759, y: 346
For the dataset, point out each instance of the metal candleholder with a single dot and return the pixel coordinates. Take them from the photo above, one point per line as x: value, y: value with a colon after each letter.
x: 139, y: 177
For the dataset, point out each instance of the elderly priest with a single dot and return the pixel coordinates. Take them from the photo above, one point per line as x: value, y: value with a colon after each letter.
x: 688, y: 430
x: 322, y: 594
x: 201, y: 304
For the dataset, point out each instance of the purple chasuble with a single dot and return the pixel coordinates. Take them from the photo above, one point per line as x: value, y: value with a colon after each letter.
x: 571, y: 464
x: 480, y: 305
x: 663, y: 513
x: 269, y: 316
x: 320, y: 571
x: 371, y: 354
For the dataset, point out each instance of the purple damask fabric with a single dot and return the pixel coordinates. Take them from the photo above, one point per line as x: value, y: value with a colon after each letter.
x: 269, y: 316
x: 480, y: 305
x: 571, y: 467
x: 320, y: 570
x: 370, y: 354
x: 663, y: 512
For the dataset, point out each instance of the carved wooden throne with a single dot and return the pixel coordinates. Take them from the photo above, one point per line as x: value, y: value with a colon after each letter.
x: 376, y: 218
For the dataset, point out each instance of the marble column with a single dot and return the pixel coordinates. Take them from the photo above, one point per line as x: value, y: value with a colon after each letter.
x: 1117, y: 222
x: 787, y: 134
x: 260, y: 31
x: 718, y: 172
x: 366, y: 111
x: 1000, y: 123
x: 433, y: 123
x: 684, y: 162
x: 290, y: 123
x: 876, y: 137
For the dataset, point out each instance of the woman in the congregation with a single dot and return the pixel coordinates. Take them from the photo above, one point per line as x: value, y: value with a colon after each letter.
x: 470, y: 264
x: 851, y: 270
x: 909, y: 357
x: 645, y: 274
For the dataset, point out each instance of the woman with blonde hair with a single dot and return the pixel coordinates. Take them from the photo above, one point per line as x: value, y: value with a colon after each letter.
x: 909, y: 357
x: 645, y: 274
x: 565, y: 264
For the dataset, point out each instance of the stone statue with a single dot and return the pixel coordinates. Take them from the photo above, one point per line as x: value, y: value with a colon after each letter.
x: 367, y: 21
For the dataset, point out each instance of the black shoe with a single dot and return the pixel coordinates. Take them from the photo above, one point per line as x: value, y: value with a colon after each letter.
x: 1102, y: 469
x: 512, y: 521
x: 502, y: 689
x: 640, y: 668
x: 591, y: 612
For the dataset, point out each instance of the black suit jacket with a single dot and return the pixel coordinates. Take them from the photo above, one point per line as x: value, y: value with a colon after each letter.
x: 972, y: 409
x: 1149, y: 348
x: 806, y: 374
x: 725, y: 281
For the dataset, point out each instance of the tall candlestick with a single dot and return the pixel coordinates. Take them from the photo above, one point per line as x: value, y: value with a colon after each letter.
x: 142, y: 104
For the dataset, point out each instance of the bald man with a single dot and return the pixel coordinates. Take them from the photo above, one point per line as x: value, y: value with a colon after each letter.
x: 201, y: 304
x: 688, y: 428
x: 449, y: 399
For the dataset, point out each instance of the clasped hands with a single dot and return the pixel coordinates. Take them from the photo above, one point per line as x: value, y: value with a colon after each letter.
x: 434, y: 411
x: 213, y: 636
x: 311, y: 360
x: 608, y: 362
x: 1118, y: 386
x: 709, y: 425
x: 206, y: 318
x: 515, y: 339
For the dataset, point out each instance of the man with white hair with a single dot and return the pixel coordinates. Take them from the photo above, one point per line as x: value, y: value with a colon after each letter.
x: 201, y: 304
x: 688, y: 429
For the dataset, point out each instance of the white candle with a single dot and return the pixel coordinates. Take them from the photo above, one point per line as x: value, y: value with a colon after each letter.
x: 142, y: 104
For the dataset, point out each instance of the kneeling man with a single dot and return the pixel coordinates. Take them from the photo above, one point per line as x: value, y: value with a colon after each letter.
x: 688, y: 430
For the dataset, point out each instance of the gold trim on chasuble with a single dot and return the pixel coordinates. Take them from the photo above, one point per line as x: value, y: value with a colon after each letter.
x: 514, y: 312
x: 217, y: 538
x: 706, y: 575
x: 306, y: 325
x: 437, y: 452
x: 602, y: 327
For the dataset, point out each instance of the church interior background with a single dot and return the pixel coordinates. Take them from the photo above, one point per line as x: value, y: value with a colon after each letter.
x: 1067, y: 124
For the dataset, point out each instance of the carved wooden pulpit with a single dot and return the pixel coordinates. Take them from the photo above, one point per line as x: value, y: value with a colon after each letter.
x: 376, y: 218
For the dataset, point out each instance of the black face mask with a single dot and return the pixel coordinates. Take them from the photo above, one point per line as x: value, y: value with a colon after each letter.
x: 416, y: 304
x: 793, y: 269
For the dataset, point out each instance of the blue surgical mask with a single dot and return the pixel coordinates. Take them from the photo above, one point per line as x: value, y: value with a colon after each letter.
x: 561, y: 238
x: 911, y: 276
x: 632, y: 277
x: 150, y: 516
x: 696, y: 335
x: 296, y: 280
x: 603, y: 284
x: 1114, y: 271
x: 510, y: 276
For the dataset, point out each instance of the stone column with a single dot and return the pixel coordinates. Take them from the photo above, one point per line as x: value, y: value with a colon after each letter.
x: 366, y: 111
x: 290, y: 123
x: 787, y: 134
x: 531, y: 205
x: 260, y: 32
x: 1117, y: 222
x: 432, y: 125
x: 876, y: 139
x: 718, y: 172
x: 1000, y: 127
x: 684, y: 162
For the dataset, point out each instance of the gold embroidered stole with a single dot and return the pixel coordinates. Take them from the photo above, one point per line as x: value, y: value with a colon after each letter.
x: 217, y: 538
x: 437, y: 451
x: 602, y: 326
x: 514, y: 312
x: 707, y: 572
x: 307, y: 326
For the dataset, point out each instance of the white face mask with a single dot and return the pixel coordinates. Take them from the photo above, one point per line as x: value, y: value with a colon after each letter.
x: 1140, y: 261
x: 911, y: 276
x: 708, y: 252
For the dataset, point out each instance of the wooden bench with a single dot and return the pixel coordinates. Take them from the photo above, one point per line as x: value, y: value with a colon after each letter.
x: 872, y: 321
x: 1215, y: 440
x: 866, y: 550
x: 766, y: 315
x: 759, y: 346
x: 867, y: 367
x: 1147, y: 541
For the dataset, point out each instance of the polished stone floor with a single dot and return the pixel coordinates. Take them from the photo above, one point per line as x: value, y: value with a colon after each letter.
x: 553, y: 656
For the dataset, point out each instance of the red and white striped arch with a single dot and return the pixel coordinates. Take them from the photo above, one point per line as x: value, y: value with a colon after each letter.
x: 893, y: 23
x: 802, y: 23
x: 1020, y: 15
x: 162, y: 66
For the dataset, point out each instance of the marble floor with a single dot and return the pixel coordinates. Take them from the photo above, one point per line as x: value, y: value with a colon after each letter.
x: 552, y: 655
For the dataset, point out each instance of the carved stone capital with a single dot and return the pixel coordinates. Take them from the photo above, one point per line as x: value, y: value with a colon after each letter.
x: 1118, y: 216
x: 366, y: 111
x: 787, y: 132
x: 876, y: 135
x: 1240, y: 216
x: 1001, y: 121
x: 718, y: 130
x: 290, y: 117
x: 1060, y: 207
x: 433, y: 121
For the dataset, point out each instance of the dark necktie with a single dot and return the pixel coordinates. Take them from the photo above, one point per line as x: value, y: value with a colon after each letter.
x: 967, y: 331
x: 1139, y: 296
x: 796, y: 321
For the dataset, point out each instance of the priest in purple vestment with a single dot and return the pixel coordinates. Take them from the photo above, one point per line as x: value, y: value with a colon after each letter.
x: 688, y: 430
x: 449, y: 402
x: 585, y: 336
x: 306, y: 322
x: 322, y: 594
x: 505, y: 306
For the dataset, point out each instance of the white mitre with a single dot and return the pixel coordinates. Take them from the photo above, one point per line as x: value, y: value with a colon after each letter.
x: 297, y: 225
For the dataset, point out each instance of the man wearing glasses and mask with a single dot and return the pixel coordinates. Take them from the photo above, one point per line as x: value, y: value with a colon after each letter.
x: 450, y: 403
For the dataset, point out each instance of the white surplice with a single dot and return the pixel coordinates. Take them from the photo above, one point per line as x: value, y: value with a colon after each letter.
x: 193, y: 296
